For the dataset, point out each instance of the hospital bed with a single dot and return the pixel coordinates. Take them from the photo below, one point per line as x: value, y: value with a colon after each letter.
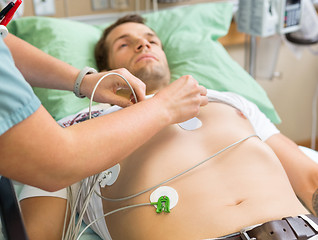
x: 190, y: 38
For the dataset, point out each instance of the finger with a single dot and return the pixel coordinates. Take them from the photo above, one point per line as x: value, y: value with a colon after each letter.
x: 133, y: 98
x: 203, y: 90
x: 204, y: 101
x: 140, y: 91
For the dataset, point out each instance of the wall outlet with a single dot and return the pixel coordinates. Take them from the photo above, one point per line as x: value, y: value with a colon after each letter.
x: 44, y: 7
x: 100, y: 4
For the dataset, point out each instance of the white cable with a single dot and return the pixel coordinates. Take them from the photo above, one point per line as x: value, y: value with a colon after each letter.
x: 178, y: 175
x: 85, y: 205
x: 72, y: 221
x: 65, y: 219
x: 99, y: 81
x: 109, y: 213
x: 314, y: 119
x: 74, y: 226
x: 82, y: 212
x: 73, y: 204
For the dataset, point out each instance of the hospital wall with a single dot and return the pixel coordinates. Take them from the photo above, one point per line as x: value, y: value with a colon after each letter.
x: 291, y: 92
x: 72, y: 8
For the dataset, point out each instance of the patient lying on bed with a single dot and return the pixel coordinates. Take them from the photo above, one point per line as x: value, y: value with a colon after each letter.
x: 243, y: 186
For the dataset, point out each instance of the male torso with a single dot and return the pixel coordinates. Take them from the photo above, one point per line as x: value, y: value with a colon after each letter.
x: 243, y: 186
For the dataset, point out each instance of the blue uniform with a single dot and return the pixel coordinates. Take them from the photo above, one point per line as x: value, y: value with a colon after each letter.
x: 17, y: 100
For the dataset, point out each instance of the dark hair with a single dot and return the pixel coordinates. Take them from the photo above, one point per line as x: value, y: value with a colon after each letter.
x: 101, y: 49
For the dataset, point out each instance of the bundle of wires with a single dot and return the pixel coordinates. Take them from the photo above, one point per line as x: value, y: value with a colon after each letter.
x: 73, y: 199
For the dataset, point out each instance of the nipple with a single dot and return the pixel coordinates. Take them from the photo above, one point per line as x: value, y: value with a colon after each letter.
x: 191, y: 124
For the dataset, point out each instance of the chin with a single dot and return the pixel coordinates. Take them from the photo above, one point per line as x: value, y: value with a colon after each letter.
x: 152, y: 72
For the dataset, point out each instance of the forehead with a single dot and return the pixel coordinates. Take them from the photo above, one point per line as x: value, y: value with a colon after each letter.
x: 128, y: 30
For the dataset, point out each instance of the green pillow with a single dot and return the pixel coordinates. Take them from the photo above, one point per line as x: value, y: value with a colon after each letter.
x: 189, y: 36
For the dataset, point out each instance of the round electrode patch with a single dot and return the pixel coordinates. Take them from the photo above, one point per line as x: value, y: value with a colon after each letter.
x: 191, y: 124
x: 3, y: 31
x: 170, y: 192
x: 109, y: 177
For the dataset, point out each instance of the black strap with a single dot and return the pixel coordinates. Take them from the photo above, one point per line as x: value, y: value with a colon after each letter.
x: 289, y: 228
x: 300, y: 227
x: 10, y: 211
x: 299, y: 41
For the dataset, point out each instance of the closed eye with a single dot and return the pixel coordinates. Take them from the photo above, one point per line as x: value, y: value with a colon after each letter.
x: 123, y: 45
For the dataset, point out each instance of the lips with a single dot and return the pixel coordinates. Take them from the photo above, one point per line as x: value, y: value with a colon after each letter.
x: 146, y: 56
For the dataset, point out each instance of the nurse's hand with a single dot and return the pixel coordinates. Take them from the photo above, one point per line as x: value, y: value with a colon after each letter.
x: 106, y: 90
x: 183, y: 99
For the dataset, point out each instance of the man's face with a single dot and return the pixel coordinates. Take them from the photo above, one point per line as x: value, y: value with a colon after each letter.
x: 137, y: 48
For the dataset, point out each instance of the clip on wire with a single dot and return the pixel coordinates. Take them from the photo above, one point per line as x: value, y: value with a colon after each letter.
x: 6, y: 15
x: 163, y: 204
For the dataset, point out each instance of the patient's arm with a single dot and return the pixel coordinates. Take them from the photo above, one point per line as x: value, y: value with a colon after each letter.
x: 44, y: 217
x: 301, y: 170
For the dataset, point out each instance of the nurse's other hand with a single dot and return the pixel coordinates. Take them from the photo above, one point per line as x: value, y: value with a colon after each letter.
x: 183, y: 98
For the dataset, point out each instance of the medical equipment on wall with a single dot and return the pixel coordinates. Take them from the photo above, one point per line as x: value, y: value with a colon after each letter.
x: 267, y: 17
x: 302, y: 39
x: 6, y: 15
x: 268, y: 21
x: 294, y: 21
x: 305, y: 39
x: 307, y: 34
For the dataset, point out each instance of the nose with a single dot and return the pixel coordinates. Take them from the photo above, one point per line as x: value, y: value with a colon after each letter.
x: 142, y: 44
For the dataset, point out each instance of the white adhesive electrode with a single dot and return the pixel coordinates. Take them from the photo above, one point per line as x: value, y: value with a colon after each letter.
x: 191, y: 124
x: 109, y: 177
x: 170, y: 192
x: 3, y: 31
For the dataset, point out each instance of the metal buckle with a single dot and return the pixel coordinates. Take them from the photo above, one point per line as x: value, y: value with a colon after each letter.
x: 244, y: 235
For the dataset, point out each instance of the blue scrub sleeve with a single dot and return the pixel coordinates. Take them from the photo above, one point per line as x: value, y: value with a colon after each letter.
x: 17, y: 99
